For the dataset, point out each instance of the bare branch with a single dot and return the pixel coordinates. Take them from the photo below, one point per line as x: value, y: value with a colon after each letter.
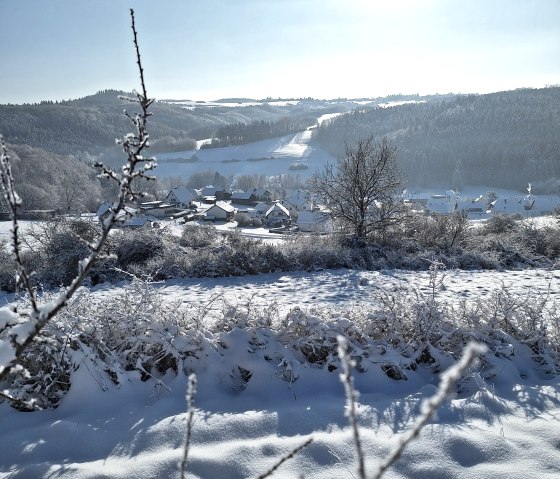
x: 21, y: 335
x: 351, y: 398
x: 288, y: 456
x: 431, y: 405
x: 191, y: 391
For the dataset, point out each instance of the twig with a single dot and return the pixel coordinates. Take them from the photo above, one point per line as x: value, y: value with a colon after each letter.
x: 430, y: 405
x: 191, y: 391
x: 285, y: 458
x: 351, y: 398
x: 14, y: 202
x: 24, y: 333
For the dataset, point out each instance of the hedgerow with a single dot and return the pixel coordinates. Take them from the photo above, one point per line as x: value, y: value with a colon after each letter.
x: 202, y: 251
x: 136, y: 334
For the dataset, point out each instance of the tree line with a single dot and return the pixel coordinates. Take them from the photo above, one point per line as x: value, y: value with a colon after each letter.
x: 87, y: 127
x: 242, y: 133
x: 504, y: 139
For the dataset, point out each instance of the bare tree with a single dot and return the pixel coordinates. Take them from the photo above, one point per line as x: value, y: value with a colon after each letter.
x: 360, y: 190
x: 20, y: 326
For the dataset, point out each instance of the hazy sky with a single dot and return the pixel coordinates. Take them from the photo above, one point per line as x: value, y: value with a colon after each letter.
x: 208, y: 49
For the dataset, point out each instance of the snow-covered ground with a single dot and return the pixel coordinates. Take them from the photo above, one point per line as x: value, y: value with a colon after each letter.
x: 509, y: 427
x: 269, y: 157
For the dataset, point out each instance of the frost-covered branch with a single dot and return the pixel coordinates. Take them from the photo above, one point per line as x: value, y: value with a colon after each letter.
x: 351, y: 398
x: 428, y: 408
x: 285, y: 458
x: 191, y: 391
x: 22, y: 327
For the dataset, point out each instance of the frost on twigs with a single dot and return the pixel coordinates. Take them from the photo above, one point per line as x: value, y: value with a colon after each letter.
x: 351, y: 398
x: 20, y: 333
x: 428, y: 408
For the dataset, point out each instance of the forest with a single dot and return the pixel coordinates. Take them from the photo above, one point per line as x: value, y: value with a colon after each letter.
x: 504, y: 139
x: 87, y: 127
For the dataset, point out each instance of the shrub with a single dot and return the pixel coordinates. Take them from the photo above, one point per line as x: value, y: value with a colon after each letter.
x: 136, y: 246
x: 198, y: 236
x: 243, y: 220
x: 65, y: 244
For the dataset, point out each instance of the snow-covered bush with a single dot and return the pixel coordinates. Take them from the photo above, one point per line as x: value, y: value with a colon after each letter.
x: 64, y: 245
x: 136, y: 246
x: 138, y: 334
x: 195, y: 236
x: 243, y: 220
x: 8, y: 268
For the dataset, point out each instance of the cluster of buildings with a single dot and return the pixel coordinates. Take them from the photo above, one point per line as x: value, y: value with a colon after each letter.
x: 481, y: 207
x: 296, y: 209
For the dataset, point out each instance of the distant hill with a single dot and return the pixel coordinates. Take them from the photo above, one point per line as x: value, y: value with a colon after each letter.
x: 505, y: 139
x: 87, y: 127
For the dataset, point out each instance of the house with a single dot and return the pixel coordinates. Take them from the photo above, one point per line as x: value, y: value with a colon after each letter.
x: 104, y: 211
x: 182, y: 196
x: 277, y: 214
x: 221, y: 211
x: 295, y: 204
x: 263, y: 195
x: 211, y: 194
x: 315, y: 222
x: 243, y: 198
x: 260, y: 209
x: 158, y: 209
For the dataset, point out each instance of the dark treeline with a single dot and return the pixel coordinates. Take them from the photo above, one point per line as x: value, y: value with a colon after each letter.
x: 242, y: 133
x: 87, y: 127
x: 502, y: 139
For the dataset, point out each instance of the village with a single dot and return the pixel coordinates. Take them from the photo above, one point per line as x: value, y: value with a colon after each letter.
x: 294, y: 211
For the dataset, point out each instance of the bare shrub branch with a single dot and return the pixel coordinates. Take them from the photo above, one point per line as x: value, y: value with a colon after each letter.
x: 351, y: 398
x: 285, y: 458
x: 191, y: 391
x: 447, y: 383
x: 25, y: 325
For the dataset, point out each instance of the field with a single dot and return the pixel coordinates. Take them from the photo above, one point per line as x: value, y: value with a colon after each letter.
x: 503, y: 424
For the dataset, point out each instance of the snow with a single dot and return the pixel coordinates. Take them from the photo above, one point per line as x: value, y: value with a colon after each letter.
x: 269, y: 157
x: 507, y: 428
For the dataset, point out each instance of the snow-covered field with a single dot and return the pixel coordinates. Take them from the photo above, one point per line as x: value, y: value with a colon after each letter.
x: 507, y: 427
x: 268, y: 157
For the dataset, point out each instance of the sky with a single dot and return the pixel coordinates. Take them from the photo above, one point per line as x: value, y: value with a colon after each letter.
x: 210, y: 49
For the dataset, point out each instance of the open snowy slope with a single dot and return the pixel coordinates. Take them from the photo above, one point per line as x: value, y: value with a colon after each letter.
x: 268, y: 157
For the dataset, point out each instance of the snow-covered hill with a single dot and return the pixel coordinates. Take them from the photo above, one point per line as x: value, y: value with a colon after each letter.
x: 267, y: 157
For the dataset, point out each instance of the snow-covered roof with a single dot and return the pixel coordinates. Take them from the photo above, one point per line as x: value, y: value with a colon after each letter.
x: 223, y: 206
x: 261, y: 192
x: 210, y: 190
x: 312, y: 217
x: 183, y: 194
x: 262, y: 207
x: 440, y: 205
x: 297, y: 201
x: 277, y: 206
x: 241, y: 195
x: 105, y: 207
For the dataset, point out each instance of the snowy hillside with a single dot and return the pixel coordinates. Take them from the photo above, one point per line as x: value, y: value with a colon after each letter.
x: 267, y: 157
